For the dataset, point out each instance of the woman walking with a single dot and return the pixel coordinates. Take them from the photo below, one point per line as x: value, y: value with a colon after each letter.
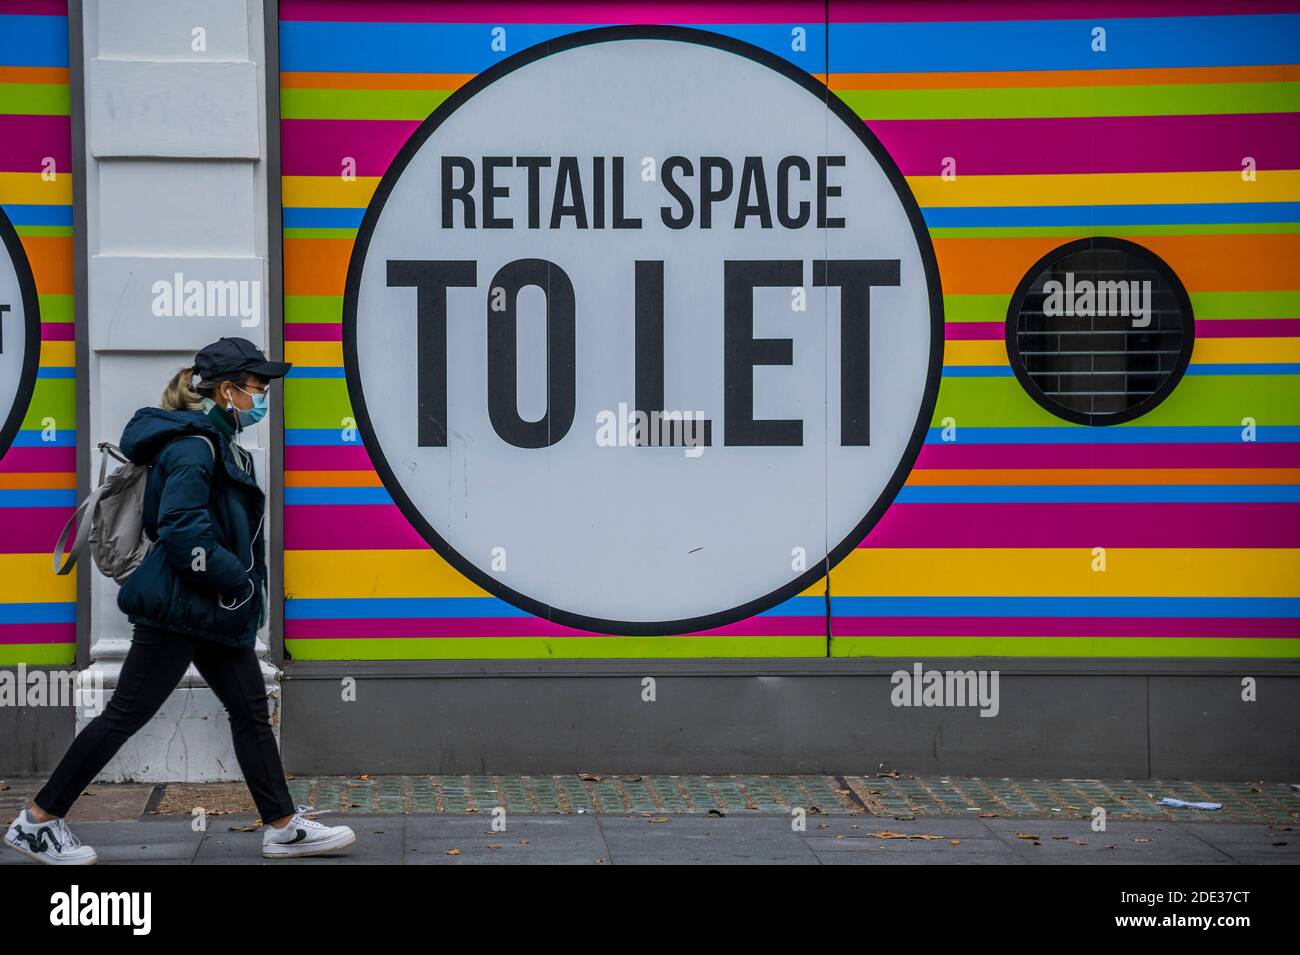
x: 199, y: 596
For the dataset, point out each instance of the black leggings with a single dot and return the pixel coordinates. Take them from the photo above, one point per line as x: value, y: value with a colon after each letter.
x: 153, y: 666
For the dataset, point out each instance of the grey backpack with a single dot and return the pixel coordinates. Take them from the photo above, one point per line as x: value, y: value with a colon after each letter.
x: 111, y: 518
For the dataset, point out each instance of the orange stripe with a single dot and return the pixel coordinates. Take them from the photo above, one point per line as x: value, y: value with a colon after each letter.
x: 51, y: 261
x: 315, y: 266
x: 1102, y: 476
x: 374, y: 81
x: 40, y: 480
x: 331, y: 479
x: 1205, y: 263
x: 50, y: 75
x: 1018, y: 79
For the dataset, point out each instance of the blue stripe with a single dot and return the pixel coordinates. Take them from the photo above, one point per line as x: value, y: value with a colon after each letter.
x: 39, y: 613
x: 314, y: 371
x: 978, y: 371
x: 317, y: 218
x: 1245, y: 368
x: 1106, y: 494
x: 353, y: 47
x: 336, y: 495
x: 321, y: 436
x: 1120, y: 434
x: 31, y: 438
x: 1202, y: 213
x: 33, y: 41
x: 38, y: 215
x: 29, y: 498
x: 1178, y: 607
x: 1063, y: 44
x: 56, y: 373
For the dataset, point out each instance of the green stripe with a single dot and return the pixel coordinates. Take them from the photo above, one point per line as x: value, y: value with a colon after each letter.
x: 562, y: 648
x: 1069, y: 231
x: 1026, y: 103
x: 1219, y: 305
x: 917, y: 648
x: 53, y: 398
x: 313, y: 308
x: 56, y: 308
x: 359, y: 104
x: 1246, y: 304
x: 1198, y: 400
x: 316, y: 403
x: 45, y: 231
x: 320, y: 233
x: 35, y: 99
x: 37, y: 654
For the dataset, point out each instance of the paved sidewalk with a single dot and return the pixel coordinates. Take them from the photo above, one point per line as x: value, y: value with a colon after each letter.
x: 590, y: 819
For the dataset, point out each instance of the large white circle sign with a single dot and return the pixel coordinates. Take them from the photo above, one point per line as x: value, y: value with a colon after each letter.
x: 20, y: 333
x: 643, y: 330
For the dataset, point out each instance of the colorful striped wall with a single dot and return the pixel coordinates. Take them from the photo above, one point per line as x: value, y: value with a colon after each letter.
x: 38, y: 474
x: 989, y: 547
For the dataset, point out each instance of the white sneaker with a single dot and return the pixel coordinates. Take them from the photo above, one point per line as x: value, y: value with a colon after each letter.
x: 304, y: 837
x: 50, y: 842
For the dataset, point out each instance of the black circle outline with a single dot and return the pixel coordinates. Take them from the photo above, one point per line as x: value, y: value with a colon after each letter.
x: 361, y: 247
x: 32, y: 326
x: 1013, y: 323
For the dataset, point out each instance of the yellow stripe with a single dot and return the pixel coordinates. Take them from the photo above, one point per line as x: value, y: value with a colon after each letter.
x: 314, y: 354
x: 28, y: 188
x: 1104, y: 189
x: 373, y: 573
x: 1066, y: 572
x: 904, y: 572
x: 30, y: 578
x: 1212, y: 350
x: 58, y: 354
x: 1206, y: 351
x: 332, y: 192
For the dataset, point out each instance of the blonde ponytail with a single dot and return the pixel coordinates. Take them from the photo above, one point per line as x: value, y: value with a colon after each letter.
x: 179, y: 395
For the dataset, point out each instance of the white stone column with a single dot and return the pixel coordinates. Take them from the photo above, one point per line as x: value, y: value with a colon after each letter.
x: 176, y: 193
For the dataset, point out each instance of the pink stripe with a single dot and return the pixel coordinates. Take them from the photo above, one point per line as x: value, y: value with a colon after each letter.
x: 572, y: 11
x: 39, y: 459
x: 1064, y: 627
x: 321, y: 457
x: 889, y: 11
x: 12, y: 634
x: 35, y: 8
x: 348, y: 527
x: 973, y: 331
x: 1248, y: 328
x: 1238, y: 455
x: 26, y: 141
x: 317, y: 147
x: 1097, y: 144
x: 1088, y: 525
x: 1205, y: 328
x: 58, y: 331
x: 313, y: 331
x: 416, y: 627
x: 32, y: 530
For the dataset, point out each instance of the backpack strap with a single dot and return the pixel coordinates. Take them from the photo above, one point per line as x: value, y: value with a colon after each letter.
x: 82, y: 515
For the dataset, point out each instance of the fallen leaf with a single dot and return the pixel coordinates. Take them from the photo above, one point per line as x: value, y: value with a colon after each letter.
x: 251, y: 827
x: 955, y: 842
x: 661, y: 819
x: 1060, y: 837
x: 1027, y: 835
x: 1080, y: 842
x: 590, y: 777
x: 892, y: 774
x: 494, y: 845
x: 523, y: 842
x: 886, y: 834
x: 823, y: 825
x: 716, y: 812
x: 988, y: 815
x: 1141, y: 839
x: 453, y: 852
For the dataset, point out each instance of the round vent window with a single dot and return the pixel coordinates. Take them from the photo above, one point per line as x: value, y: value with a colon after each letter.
x: 1099, y: 331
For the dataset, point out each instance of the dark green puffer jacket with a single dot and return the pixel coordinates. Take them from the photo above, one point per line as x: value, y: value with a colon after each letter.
x: 206, y: 575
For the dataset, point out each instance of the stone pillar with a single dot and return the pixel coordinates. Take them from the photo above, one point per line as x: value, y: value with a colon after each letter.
x: 176, y: 194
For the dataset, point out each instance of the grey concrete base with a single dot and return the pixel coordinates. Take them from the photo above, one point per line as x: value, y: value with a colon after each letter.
x: 1142, y: 719
x: 33, y: 738
x: 739, y: 840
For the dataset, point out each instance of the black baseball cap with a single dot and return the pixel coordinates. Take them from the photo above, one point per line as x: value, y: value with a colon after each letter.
x: 228, y: 356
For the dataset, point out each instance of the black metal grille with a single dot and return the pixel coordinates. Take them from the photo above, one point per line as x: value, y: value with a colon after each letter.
x: 1101, y: 364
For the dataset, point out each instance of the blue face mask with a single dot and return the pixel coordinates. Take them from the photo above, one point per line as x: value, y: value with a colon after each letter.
x: 255, y: 413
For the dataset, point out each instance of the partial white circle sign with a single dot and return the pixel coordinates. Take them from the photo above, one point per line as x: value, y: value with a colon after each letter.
x: 20, y: 334
x: 642, y: 330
